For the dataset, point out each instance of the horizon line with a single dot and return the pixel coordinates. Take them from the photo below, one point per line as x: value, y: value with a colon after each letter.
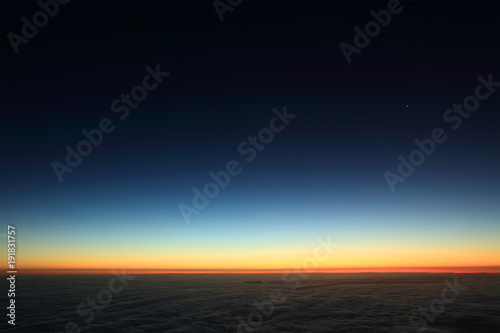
x: 92, y: 271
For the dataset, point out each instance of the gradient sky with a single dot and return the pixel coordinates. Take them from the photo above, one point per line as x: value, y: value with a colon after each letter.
x: 321, y: 176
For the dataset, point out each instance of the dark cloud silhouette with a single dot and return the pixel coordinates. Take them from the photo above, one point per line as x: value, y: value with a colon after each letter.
x: 212, y: 303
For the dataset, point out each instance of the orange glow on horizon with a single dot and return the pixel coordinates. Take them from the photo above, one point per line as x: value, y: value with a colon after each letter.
x: 345, y: 257
x: 349, y: 258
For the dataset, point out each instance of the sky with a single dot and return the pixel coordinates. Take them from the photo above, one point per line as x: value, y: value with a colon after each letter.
x: 322, y: 174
